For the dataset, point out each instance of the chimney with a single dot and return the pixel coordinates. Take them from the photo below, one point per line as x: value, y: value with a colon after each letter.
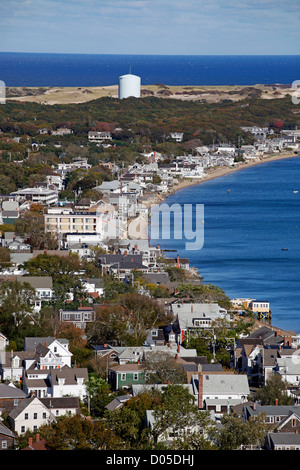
x: 200, y: 388
x: 37, y: 438
x: 276, y: 402
x: 30, y: 442
x: 192, y: 308
x: 254, y: 406
x: 178, y: 264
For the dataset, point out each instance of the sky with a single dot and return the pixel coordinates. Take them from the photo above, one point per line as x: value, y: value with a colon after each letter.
x: 188, y: 27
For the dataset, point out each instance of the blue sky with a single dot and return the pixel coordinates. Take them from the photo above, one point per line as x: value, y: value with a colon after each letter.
x: 151, y: 26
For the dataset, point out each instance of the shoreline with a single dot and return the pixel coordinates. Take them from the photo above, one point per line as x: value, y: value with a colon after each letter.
x: 217, y: 173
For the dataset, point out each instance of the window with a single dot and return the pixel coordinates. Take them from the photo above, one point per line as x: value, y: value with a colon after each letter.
x: 34, y: 415
x: 22, y: 428
x: 123, y: 376
x: 44, y: 415
x: 4, y: 444
x: 135, y: 376
x: 26, y: 416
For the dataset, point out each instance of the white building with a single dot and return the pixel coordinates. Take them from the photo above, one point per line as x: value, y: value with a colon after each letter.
x: 30, y: 415
x: 194, y: 316
x: 37, y: 195
x: 129, y: 85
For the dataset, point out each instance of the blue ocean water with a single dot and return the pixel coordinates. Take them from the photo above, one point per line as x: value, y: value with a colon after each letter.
x: 36, y: 69
x: 244, y: 233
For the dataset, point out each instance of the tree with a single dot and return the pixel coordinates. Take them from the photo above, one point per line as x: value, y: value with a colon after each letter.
x: 5, y: 261
x: 235, y: 432
x: 274, y: 391
x: 63, y: 270
x: 100, y: 395
x: 204, y: 293
x: 79, y: 433
x: 128, y: 423
x: 16, y: 306
x: 143, y: 314
x: 109, y: 327
x: 162, y: 368
x: 179, y: 417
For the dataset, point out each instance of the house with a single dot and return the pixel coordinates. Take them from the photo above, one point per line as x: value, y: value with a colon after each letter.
x: 194, y: 316
x: 56, y: 382
x: 118, y: 402
x: 219, y: 391
x: 93, y: 286
x: 282, y: 441
x: 121, y: 265
x: 112, y: 187
x: 69, y: 381
x: 177, y: 136
x: 80, y: 317
x: 284, y: 418
x: 108, y: 352
x: 99, y: 137
x: 37, y: 195
x: 131, y: 354
x: 12, y: 364
x: 30, y: 415
x: 3, y: 343
x: 62, y: 131
x: 10, y: 397
x: 42, y: 285
x: 58, y: 346
x: 289, y: 369
x: 272, y: 337
x: 62, y: 406
x: 156, y: 337
x: 169, y: 435
x: 7, y: 438
x: 125, y: 375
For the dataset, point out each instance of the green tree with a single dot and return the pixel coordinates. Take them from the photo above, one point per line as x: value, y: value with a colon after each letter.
x: 178, y: 417
x: 100, y: 395
x: 235, y: 432
x: 274, y: 391
x: 16, y: 306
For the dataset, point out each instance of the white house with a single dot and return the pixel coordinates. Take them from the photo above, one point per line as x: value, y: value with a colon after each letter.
x: 69, y: 381
x: 30, y: 415
x: 218, y: 391
x: 289, y: 368
x: 58, y: 347
x: 56, y: 382
x: 194, y: 316
x: 37, y: 195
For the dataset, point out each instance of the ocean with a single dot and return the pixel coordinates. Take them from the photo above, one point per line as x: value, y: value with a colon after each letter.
x: 72, y: 70
x: 251, y: 236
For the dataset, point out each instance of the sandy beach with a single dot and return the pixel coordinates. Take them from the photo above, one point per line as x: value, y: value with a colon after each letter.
x: 217, y: 172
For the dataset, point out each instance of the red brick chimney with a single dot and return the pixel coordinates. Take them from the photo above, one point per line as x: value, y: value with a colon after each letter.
x: 276, y: 402
x: 178, y: 264
x: 200, y: 388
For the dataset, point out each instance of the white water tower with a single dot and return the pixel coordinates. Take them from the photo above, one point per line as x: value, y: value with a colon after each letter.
x: 129, y: 85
